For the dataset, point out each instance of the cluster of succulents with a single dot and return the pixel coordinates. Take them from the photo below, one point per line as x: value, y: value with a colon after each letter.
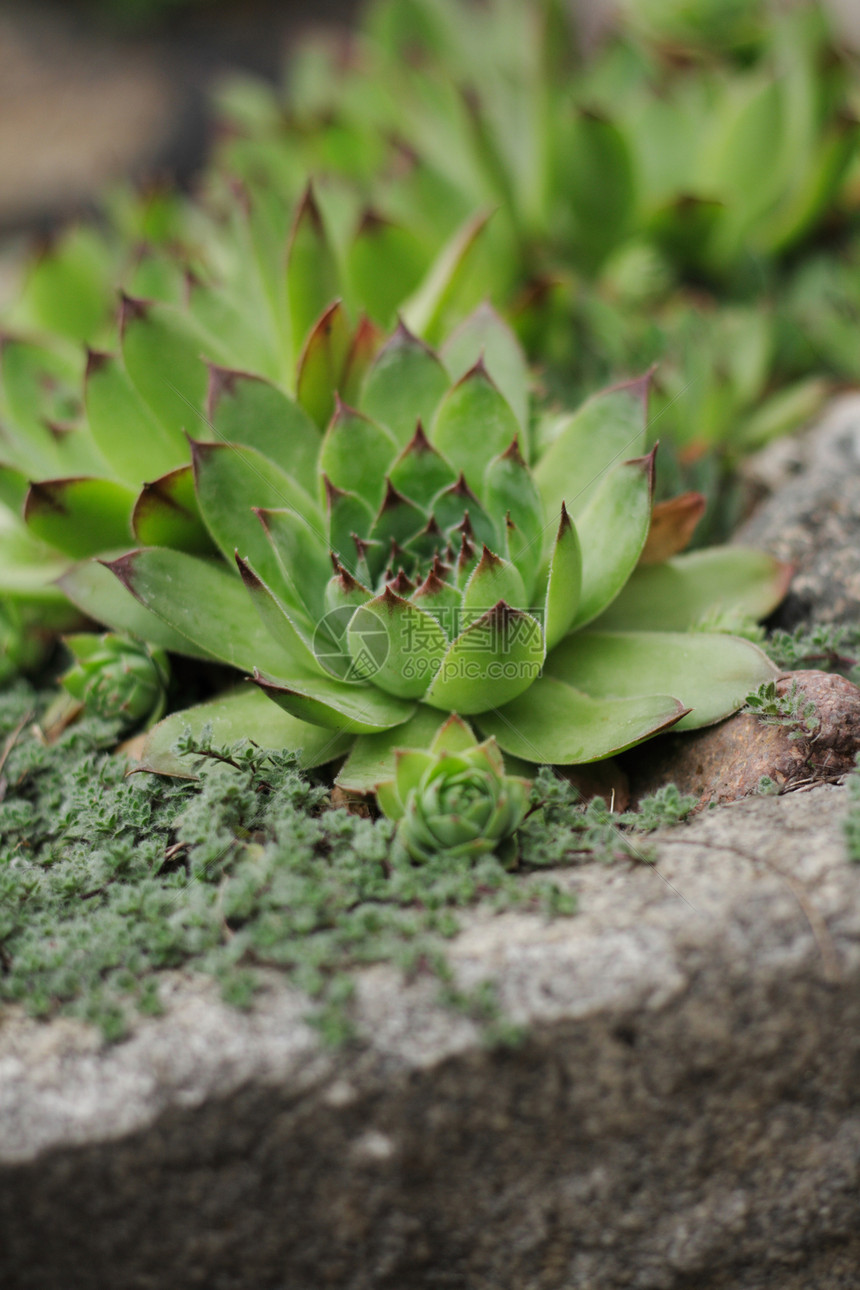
x: 630, y: 197
x: 307, y: 447
x: 374, y: 563
x: 437, y: 109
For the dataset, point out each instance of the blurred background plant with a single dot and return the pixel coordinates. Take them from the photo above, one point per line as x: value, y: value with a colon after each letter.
x: 652, y: 203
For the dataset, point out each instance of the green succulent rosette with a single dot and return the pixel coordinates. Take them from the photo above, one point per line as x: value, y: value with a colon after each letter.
x: 455, y: 799
x: 415, y: 551
x: 375, y: 530
x: 116, y: 677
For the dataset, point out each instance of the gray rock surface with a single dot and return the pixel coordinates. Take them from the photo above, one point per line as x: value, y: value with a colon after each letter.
x: 812, y: 518
x: 684, y: 1112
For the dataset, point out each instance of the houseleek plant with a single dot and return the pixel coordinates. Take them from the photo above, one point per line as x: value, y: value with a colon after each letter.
x: 454, y: 798
x: 409, y: 554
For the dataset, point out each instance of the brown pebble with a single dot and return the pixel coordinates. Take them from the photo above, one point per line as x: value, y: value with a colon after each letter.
x: 726, y: 762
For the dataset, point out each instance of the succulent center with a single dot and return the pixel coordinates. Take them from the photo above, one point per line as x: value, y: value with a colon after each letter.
x: 465, y: 794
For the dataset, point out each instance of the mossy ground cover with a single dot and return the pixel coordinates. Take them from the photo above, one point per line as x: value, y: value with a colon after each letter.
x: 108, y: 880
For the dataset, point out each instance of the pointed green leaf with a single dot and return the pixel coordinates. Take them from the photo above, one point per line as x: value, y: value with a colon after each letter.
x: 493, y: 579
x: 397, y: 519
x: 68, y: 289
x: 247, y: 410
x: 80, y: 516
x: 347, y: 514
x: 384, y: 264
x: 102, y: 597
x: 243, y: 712
x: 182, y: 591
x: 38, y: 391
x: 302, y: 556
x: 404, y: 385
x: 510, y: 490
x: 441, y: 599
x: 484, y: 336
x: 386, y: 797
x: 344, y: 592
x: 130, y: 437
x: 410, y: 764
x: 420, y: 472
x: 357, y: 453
x: 153, y: 276
x: 396, y: 645
x: 163, y: 353
x: 426, y: 308
x: 490, y: 663
x: 467, y: 559
x: 364, y: 346
x: 235, y: 329
x: 833, y: 153
x: 285, y: 629
x: 712, y: 674
x: 426, y: 543
x: 312, y: 278
x: 564, y: 582
x: 371, y: 760
x: 167, y: 514
x: 454, y: 504
x: 321, y: 364
x: 474, y: 423
x: 231, y: 481
x: 698, y: 588
x: 747, y: 156
x: 554, y: 724
x: 607, y: 429
x: 613, y: 530
x: 323, y: 701
x: 598, y: 187
x: 453, y: 736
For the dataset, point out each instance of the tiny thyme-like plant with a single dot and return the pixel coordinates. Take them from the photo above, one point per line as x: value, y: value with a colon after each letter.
x: 108, y: 880
x: 794, y: 710
x: 561, y: 826
x: 831, y: 648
